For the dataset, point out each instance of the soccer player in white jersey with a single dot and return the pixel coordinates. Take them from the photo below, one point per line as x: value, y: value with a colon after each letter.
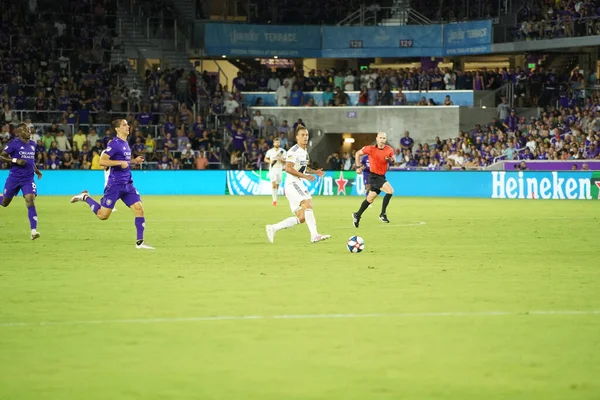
x: 297, y: 169
x: 276, y: 159
x: 106, y: 175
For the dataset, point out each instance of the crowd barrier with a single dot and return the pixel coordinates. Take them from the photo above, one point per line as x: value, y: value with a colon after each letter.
x: 576, y: 185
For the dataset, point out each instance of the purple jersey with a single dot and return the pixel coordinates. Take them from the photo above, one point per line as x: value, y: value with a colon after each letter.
x: 22, y: 151
x: 119, y: 150
x: 365, y: 162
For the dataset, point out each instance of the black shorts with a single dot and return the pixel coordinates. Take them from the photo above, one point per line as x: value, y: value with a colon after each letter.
x: 376, y: 182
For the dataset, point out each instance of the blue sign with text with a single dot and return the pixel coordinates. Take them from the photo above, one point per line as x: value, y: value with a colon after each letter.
x: 262, y: 40
x: 436, y: 40
x: 382, y: 41
x: 465, y: 38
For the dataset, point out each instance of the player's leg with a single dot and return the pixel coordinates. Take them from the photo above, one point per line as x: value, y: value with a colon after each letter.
x: 11, y: 189
x: 103, y: 210
x: 274, y: 190
x: 132, y: 199
x: 29, y: 193
x: 389, y: 192
x: 371, y: 196
x: 294, y: 198
x: 307, y: 214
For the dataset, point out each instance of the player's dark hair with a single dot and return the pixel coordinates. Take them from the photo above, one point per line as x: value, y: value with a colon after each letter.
x: 19, y: 129
x: 116, y: 123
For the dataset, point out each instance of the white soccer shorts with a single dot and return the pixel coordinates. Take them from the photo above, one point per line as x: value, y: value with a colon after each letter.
x: 296, y: 193
x: 276, y: 176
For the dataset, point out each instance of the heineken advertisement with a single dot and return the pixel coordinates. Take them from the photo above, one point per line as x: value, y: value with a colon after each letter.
x: 529, y: 185
x: 334, y: 183
x: 546, y: 186
x: 578, y: 185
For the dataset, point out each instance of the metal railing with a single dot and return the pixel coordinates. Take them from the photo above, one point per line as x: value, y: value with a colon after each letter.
x: 507, y: 90
x: 376, y: 15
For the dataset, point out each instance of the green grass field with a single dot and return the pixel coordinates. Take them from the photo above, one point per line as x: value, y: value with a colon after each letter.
x: 436, y: 307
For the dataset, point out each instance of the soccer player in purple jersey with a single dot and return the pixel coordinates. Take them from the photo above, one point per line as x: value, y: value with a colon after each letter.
x: 366, y: 170
x: 20, y: 153
x: 117, y: 157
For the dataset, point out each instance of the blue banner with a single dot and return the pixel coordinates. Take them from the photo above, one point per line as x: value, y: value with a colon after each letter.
x: 262, y: 40
x: 576, y: 185
x: 243, y: 40
x: 68, y: 183
x: 465, y: 38
x: 382, y: 41
x: 459, y: 97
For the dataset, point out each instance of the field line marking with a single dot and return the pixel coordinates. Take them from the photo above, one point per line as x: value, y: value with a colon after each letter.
x: 300, y: 316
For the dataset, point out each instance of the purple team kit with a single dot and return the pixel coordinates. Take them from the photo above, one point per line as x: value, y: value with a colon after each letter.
x: 120, y: 182
x: 21, y: 178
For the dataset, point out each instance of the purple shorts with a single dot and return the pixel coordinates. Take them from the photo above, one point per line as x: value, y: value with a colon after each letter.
x: 127, y: 193
x: 13, y: 186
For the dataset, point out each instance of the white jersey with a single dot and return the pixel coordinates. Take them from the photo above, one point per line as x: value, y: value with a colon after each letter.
x: 299, y: 157
x: 273, y: 154
x: 106, y: 171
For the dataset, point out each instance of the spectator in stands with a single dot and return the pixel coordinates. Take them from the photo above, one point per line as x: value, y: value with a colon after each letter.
x: 231, y: 106
x: 62, y: 142
x: 282, y: 95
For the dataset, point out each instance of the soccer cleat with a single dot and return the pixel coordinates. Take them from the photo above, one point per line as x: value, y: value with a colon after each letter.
x: 270, y: 233
x: 274, y: 203
x: 320, y: 238
x: 143, y: 246
x: 355, y: 220
x: 383, y: 218
x: 80, y: 197
x: 35, y: 234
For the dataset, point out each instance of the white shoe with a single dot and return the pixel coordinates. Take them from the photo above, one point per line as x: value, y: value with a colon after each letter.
x: 80, y: 197
x: 34, y: 234
x: 320, y: 238
x: 270, y: 233
x: 144, y: 246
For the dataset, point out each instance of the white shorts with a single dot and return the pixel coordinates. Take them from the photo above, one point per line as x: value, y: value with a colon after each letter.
x: 296, y: 193
x: 276, y: 176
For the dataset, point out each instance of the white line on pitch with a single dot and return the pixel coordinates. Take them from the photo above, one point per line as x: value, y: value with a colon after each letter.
x: 301, y: 316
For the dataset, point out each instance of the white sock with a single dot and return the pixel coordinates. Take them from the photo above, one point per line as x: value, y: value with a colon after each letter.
x: 274, y: 192
x: 286, y: 223
x: 311, y: 222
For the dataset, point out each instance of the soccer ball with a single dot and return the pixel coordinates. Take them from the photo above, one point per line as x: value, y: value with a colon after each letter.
x: 355, y: 244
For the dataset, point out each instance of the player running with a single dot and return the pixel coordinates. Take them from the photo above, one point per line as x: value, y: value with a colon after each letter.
x: 117, y: 157
x: 106, y: 175
x: 297, y: 169
x: 276, y: 159
x: 20, y: 153
x: 380, y: 155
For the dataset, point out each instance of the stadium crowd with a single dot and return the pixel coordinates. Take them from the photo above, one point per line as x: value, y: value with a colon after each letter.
x: 59, y: 78
x: 536, y: 87
x: 547, y: 20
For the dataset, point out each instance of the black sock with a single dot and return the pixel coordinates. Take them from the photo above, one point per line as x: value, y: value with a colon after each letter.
x: 386, y: 201
x: 365, y: 204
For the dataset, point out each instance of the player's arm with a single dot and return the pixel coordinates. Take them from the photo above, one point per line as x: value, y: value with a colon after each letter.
x: 289, y: 168
x: 37, y: 171
x: 357, y: 158
x: 4, y: 156
x: 105, y: 161
x: 318, y: 172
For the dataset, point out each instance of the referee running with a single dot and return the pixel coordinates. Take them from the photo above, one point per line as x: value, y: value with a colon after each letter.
x: 380, y: 155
